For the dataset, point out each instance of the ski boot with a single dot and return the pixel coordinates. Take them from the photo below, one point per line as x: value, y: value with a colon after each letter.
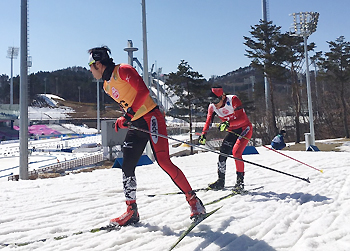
x: 239, y: 187
x: 197, y: 207
x: 131, y: 215
x: 217, y: 185
x: 220, y: 183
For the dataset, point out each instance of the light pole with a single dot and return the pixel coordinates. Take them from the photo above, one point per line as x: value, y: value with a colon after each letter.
x: 144, y: 38
x: 23, y: 121
x: 98, y: 104
x: 305, y: 24
x: 12, y: 53
x: 267, y: 84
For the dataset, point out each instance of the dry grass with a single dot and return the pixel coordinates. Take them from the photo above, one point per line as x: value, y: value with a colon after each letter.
x: 329, y: 146
x: 88, y: 110
x: 48, y: 175
x: 102, y: 165
x: 55, y: 174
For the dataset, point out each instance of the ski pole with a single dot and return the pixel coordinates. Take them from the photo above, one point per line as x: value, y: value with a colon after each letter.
x: 294, y: 159
x: 210, y: 150
x: 279, y: 153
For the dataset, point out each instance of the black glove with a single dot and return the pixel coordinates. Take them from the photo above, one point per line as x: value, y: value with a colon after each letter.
x: 129, y: 114
x: 123, y: 122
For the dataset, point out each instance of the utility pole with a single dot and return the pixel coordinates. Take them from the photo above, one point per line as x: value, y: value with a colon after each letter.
x: 98, y: 104
x: 144, y: 36
x: 23, y: 129
x: 267, y: 84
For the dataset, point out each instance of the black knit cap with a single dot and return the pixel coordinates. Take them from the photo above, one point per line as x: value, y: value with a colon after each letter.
x: 101, y: 54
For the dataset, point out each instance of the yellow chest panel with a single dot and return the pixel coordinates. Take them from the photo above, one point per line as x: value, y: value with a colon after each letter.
x: 123, y: 93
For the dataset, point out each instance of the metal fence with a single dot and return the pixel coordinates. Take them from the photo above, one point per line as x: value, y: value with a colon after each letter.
x: 62, y: 166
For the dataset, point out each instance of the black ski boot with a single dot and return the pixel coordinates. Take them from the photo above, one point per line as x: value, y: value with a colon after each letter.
x: 239, y: 187
x: 217, y: 185
x: 220, y: 183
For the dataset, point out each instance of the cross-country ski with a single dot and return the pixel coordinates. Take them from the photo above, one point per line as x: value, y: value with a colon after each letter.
x: 193, y: 225
x: 107, y: 228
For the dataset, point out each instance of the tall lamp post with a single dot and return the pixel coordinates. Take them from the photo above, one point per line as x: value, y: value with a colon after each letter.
x: 267, y: 84
x: 12, y: 53
x: 98, y: 104
x: 23, y: 121
x: 144, y: 38
x: 305, y: 24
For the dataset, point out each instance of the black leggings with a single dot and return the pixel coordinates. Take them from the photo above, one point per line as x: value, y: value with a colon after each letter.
x: 135, y: 142
x: 228, y: 143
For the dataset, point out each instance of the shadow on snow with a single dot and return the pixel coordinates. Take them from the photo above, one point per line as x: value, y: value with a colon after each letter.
x: 299, y: 197
x: 224, y: 240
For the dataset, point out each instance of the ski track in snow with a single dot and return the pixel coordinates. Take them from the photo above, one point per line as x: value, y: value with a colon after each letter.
x: 287, y: 214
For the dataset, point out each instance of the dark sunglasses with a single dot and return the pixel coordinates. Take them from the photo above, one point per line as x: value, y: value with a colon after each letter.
x: 215, y: 99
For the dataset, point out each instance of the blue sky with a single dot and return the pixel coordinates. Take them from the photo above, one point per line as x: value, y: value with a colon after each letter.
x: 208, y: 34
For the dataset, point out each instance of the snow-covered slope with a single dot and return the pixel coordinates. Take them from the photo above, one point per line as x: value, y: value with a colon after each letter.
x: 289, y: 214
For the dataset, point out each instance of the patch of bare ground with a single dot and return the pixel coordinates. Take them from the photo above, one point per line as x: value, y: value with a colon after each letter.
x: 89, y: 110
x: 326, y: 146
x: 57, y: 173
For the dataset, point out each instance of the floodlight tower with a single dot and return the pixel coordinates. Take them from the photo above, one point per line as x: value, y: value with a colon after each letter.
x: 12, y: 53
x: 305, y: 24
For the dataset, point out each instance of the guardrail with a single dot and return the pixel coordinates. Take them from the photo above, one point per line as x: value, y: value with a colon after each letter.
x: 62, y: 166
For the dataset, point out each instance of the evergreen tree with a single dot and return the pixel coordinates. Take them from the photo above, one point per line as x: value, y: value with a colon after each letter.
x: 266, y: 54
x: 191, y: 88
x: 4, y: 89
x: 336, y: 68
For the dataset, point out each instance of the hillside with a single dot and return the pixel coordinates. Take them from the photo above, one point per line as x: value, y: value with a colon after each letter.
x: 89, y: 110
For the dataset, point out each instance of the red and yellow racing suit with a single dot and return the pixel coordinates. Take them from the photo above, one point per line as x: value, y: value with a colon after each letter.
x: 128, y: 89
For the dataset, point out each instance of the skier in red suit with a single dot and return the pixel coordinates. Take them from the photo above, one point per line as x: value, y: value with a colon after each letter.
x: 125, y: 86
x: 234, y: 120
